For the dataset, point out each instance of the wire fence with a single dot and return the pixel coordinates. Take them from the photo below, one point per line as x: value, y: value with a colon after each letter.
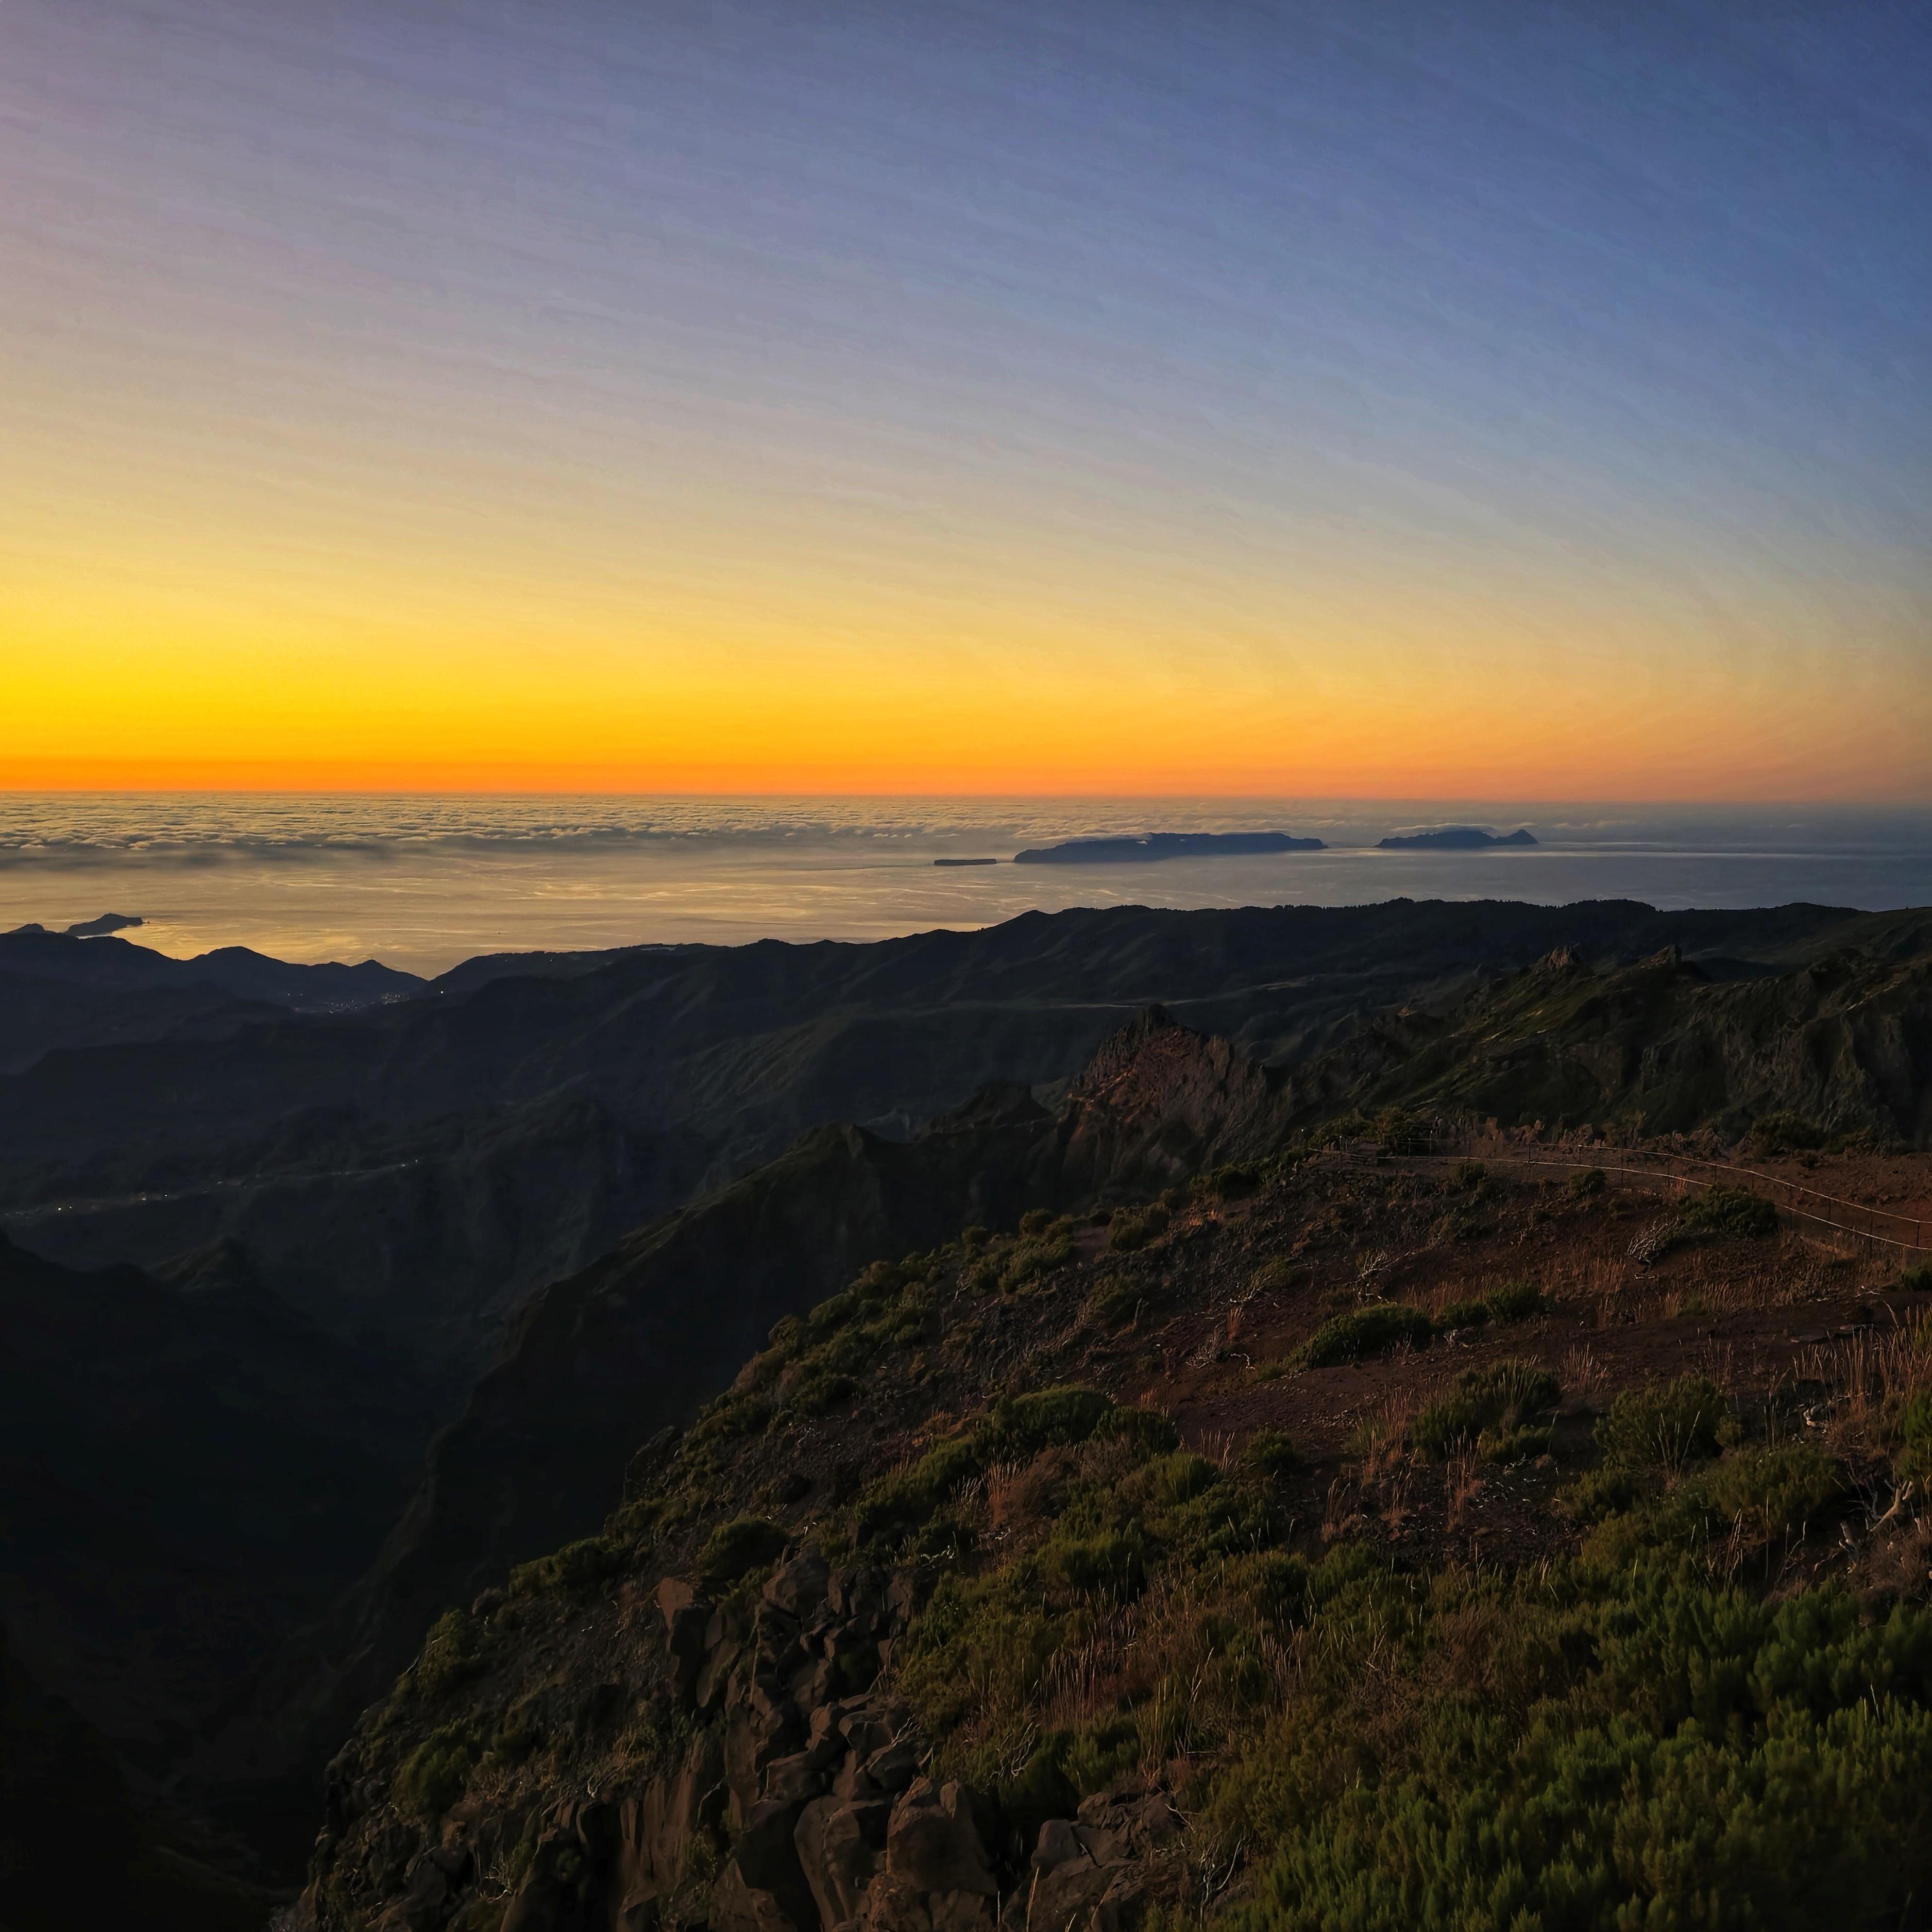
x: 1644, y: 1167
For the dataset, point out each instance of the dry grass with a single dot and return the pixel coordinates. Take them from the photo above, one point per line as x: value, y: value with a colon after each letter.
x: 1583, y: 1374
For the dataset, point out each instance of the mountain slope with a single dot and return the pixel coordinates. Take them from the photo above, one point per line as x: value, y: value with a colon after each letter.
x: 662, y: 1072
x: 1163, y: 1585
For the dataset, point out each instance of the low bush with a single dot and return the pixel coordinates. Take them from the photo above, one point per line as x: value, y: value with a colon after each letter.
x: 578, y: 1569
x: 1729, y: 1213
x: 1271, y: 1454
x: 1039, y: 1254
x: 1461, y: 1314
x: 1491, y: 1410
x: 1917, y: 1280
x: 436, y: 1774
x: 1366, y: 1331
x: 1651, y: 1750
x: 1769, y: 1496
x: 1134, y: 1227
x: 744, y: 1544
x: 1664, y: 1426
x: 1586, y: 1184
x: 1017, y: 1428
x: 1785, y: 1132
x: 1514, y: 1301
x: 1913, y: 1461
x: 1233, y: 1180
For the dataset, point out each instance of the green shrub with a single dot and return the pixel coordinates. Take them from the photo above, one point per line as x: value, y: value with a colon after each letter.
x: 745, y: 1543
x: 1271, y: 1454
x: 1730, y: 1213
x: 436, y: 1774
x: 1111, y: 1563
x: 1786, y: 1132
x: 1463, y: 1315
x: 1035, y: 1222
x: 1695, y: 1759
x: 1021, y: 1426
x: 1586, y: 1184
x: 578, y: 1569
x: 1664, y: 1426
x: 1171, y: 1479
x: 1114, y: 1303
x: 1770, y: 1495
x: 1147, y: 1431
x: 1514, y: 1301
x: 449, y: 1654
x: 1600, y: 1494
x: 1489, y: 1409
x: 1233, y: 1180
x: 1133, y: 1228
x: 1366, y: 1331
x: 833, y: 1312
x: 1917, y: 1280
x: 1913, y: 1463
x: 1052, y: 1248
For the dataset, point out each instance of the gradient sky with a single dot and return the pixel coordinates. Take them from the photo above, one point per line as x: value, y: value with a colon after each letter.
x: 1529, y: 400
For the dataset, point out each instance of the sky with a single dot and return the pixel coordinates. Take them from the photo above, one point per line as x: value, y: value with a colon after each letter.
x: 1519, y: 400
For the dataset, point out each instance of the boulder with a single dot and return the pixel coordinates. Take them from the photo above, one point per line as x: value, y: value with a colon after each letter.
x: 839, y: 1846
x: 687, y: 1618
x: 798, y: 1588
x: 765, y: 1863
x: 738, y: 1906
x: 933, y: 1842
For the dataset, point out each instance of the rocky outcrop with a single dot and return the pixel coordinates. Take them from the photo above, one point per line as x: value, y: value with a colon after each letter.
x: 1160, y: 1101
x: 801, y: 1788
x: 802, y: 1801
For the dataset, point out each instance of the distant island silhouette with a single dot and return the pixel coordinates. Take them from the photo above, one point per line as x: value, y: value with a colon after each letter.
x: 1164, y: 845
x: 965, y: 862
x: 1453, y: 839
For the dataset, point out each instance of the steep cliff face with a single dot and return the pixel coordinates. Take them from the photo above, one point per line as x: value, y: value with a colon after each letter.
x: 599, y: 1362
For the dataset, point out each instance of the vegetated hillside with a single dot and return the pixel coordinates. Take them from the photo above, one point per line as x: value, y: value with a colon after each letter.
x: 599, y: 1362
x: 1318, y: 1544
x: 406, y: 1173
x: 188, y: 1467
x: 1844, y: 1042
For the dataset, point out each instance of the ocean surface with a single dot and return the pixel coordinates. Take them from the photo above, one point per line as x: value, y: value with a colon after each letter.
x: 422, y: 882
